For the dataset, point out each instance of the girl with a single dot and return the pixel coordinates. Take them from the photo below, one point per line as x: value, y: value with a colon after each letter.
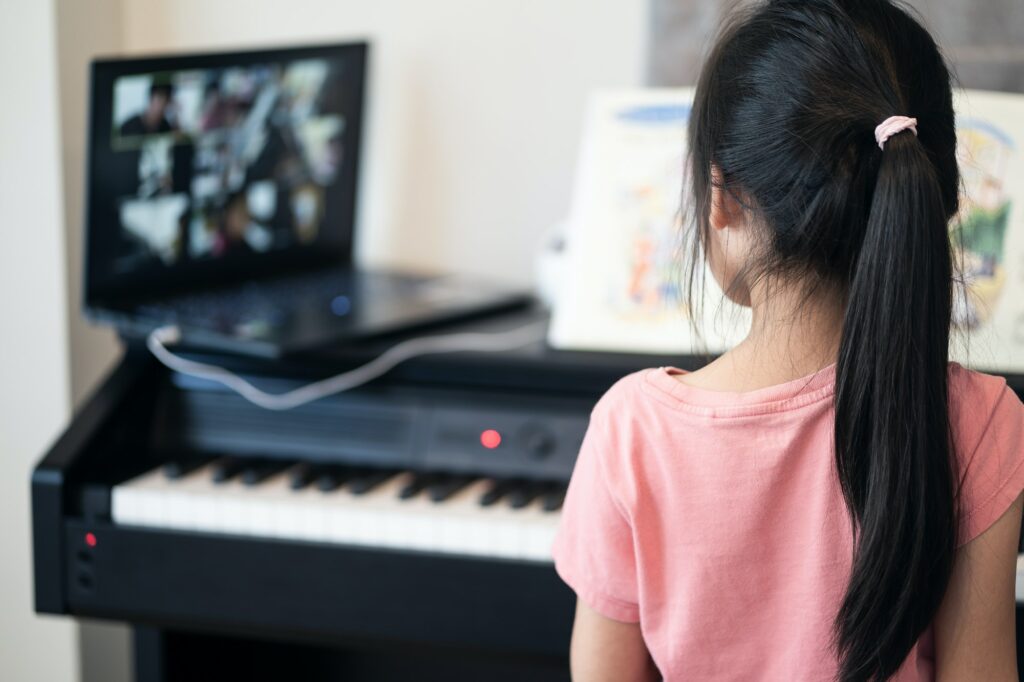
x: 830, y: 499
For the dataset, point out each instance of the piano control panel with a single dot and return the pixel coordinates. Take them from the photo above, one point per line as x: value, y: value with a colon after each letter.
x: 487, y: 433
x: 504, y: 442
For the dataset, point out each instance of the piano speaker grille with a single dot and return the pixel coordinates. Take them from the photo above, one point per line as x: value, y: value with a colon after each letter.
x: 331, y: 430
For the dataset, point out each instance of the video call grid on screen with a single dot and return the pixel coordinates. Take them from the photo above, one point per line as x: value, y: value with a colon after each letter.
x: 221, y: 165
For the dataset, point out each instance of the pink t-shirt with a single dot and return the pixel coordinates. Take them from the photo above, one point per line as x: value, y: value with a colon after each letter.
x: 716, y: 520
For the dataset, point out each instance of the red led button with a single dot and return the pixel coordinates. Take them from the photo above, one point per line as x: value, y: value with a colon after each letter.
x: 90, y: 539
x: 490, y: 439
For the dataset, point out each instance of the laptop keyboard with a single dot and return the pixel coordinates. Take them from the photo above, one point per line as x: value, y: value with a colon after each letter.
x: 268, y: 302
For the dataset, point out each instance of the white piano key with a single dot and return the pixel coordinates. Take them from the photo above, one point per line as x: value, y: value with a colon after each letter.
x: 143, y: 499
x: 277, y: 506
x: 454, y: 532
x: 188, y: 505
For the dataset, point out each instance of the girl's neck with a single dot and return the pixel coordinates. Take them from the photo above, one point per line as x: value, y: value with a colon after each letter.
x: 793, y: 334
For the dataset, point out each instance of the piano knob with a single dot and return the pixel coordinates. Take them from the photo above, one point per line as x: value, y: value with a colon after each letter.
x: 539, y: 442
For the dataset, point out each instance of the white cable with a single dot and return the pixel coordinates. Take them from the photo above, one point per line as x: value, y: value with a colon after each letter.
x: 499, y: 341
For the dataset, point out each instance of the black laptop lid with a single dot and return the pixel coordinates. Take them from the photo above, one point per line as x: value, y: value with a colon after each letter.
x: 218, y: 168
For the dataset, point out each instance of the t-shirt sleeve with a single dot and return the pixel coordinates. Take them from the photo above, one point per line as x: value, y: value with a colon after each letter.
x: 593, y: 548
x: 993, y: 476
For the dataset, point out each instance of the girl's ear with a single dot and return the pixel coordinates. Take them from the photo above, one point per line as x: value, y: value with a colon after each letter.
x: 725, y: 209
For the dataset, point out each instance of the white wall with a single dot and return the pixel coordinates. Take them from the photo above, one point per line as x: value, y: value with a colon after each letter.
x: 84, y: 30
x: 34, y: 404
x: 475, y: 112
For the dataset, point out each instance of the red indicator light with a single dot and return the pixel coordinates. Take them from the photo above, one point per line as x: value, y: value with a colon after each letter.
x: 490, y: 439
x: 90, y: 539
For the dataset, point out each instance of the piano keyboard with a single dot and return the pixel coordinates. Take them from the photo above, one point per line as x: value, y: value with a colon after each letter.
x: 346, y: 505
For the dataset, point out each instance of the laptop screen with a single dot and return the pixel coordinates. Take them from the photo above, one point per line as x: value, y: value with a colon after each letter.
x: 207, y: 169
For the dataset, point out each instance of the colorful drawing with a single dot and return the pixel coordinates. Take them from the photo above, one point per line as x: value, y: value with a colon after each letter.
x: 648, y: 203
x: 979, y: 232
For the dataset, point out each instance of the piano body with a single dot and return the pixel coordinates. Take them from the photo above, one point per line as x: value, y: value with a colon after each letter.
x: 398, y: 530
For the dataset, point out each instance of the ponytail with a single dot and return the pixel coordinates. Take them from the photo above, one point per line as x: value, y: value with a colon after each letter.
x: 892, y: 445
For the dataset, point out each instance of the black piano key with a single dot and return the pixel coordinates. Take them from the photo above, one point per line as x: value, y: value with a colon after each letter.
x: 524, y: 494
x: 418, y: 484
x: 223, y: 470
x: 261, y: 471
x: 181, y: 468
x: 553, y: 497
x: 368, y: 480
x: 448, y: 486
x: 333, y: 477
x: 497, y: 491
x: 302, y: 475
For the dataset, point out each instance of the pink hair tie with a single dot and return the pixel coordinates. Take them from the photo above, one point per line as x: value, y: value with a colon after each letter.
x: 893, y: 125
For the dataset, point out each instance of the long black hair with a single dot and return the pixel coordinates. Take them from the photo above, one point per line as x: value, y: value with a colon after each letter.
x: 784, y: 118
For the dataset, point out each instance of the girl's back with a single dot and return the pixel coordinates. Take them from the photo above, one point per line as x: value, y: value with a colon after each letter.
x: 716, y: 521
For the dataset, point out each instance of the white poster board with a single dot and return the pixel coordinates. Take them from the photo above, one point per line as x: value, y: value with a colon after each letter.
x: 622, y: 282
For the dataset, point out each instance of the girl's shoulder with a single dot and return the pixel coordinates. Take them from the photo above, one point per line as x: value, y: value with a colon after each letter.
x: 625, y: 390
x: 987, y: 423
x: 977, y: 401
x: 619, y: 406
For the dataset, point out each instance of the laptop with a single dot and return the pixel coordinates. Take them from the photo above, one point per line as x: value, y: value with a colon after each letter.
x: 221, y: 198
